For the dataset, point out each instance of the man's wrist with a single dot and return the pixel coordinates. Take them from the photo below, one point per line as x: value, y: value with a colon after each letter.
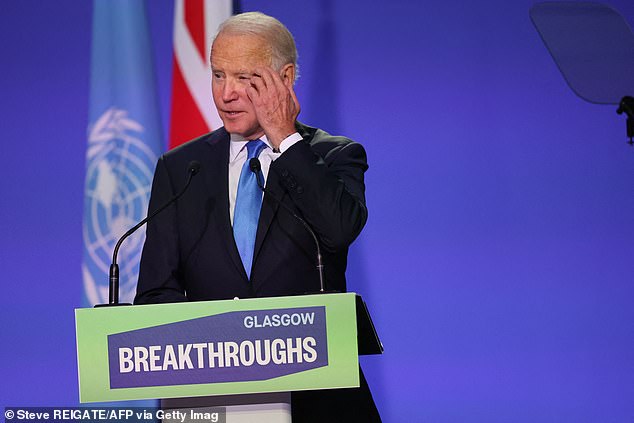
x: 276, y: 135
x: 289, y: 141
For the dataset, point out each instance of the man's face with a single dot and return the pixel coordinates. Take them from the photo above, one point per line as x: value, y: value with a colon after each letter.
x: 233, y: 59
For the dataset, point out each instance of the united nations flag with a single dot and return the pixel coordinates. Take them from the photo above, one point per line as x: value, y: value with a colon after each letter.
x: 124, y: 141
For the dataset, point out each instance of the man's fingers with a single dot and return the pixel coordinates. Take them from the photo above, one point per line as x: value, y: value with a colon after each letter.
x: 258, y: 83
x: 252, y: 93
x: 258, y: 79
x: 272, y: 81
x: 277, y: 80
x: 266, y: 75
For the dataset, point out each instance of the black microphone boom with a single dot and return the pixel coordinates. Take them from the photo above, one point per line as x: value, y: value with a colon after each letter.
x: 113, y: 287
x: 255, y: 167
x: 627, y: 106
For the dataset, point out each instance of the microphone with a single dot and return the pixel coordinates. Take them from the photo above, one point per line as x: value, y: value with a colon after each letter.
x: 113, y: 287
x: 256, y: 167
x: 627, y: 106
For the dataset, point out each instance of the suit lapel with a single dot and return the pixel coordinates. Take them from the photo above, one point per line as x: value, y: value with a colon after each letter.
x: 218, y: 185
x: 269, y: 204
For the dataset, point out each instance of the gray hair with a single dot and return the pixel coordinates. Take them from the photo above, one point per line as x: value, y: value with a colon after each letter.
x: 283, y: 49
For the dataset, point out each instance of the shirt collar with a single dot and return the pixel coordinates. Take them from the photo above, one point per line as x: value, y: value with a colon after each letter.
x: 239, y: 143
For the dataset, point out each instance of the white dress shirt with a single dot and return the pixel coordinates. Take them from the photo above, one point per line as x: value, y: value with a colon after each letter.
x: 238, y: 155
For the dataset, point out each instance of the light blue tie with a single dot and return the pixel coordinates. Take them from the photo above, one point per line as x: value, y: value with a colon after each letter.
x: 247, y: 209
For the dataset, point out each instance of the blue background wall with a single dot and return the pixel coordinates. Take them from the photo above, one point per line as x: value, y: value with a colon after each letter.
x: 497, y: 260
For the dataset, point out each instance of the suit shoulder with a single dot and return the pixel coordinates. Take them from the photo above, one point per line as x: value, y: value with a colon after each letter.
x: 177, y: 160
x: 330, y: 146
x: 191, y: 149
x: 317, y: 135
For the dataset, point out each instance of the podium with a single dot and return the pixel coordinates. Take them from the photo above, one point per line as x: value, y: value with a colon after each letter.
x: 228, y: 347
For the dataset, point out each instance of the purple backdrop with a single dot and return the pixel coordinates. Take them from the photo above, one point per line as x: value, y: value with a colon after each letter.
x: 497, y: 260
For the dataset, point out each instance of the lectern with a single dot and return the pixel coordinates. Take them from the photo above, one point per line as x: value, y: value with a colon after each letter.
x: 241, y: 346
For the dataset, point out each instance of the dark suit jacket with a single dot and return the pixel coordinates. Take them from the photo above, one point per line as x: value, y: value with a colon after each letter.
x: 190, y: 253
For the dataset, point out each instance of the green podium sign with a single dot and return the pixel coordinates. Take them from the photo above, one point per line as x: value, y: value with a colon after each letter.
x: 217, y: 347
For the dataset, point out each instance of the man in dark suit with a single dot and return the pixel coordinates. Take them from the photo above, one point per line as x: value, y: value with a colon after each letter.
x: 211, y: 244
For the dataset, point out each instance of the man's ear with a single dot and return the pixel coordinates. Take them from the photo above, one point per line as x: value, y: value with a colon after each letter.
x: 288, y: 75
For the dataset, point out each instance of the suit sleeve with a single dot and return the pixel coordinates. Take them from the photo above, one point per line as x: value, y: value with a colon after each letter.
x: 327, y: 186
x: 159, y: 278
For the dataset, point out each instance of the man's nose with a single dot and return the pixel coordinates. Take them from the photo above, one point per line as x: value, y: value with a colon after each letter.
x: 229, y: 91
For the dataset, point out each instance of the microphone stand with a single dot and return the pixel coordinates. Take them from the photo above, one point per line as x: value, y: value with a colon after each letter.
x: 627, y: 106
x: 256, y: 167
x: 113, y: 285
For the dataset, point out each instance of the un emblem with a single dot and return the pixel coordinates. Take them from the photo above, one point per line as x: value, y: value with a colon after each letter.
x: 120, y: 166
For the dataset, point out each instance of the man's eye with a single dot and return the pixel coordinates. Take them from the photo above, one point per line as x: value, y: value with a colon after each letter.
x: 244, y: 78
x: 217, y: 75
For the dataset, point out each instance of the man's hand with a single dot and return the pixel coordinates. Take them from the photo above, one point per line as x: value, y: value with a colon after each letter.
x: 275, y: 104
